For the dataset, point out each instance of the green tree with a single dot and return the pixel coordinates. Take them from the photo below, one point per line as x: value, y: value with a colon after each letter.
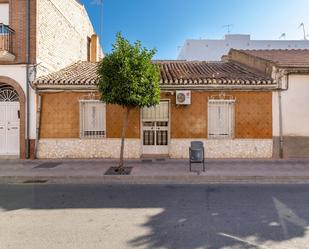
x: 128, y: 78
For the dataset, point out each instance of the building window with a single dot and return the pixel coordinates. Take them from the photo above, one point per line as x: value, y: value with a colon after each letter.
x: 4, y: 13
x: 88, y: 48
x: 221, y: 119
x: 92, y: 119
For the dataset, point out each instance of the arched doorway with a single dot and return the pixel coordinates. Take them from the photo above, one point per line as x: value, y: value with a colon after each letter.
x: 13, y: 85
x: 9, y: 121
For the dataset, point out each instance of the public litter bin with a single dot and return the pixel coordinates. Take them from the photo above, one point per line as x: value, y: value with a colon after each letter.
x: 197, y: 154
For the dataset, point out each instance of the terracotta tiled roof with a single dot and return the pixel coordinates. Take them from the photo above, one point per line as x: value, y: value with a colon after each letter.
x: 173, y: 73
x: 297, y: 58
x: 80, y: 73
x: 201, y: 72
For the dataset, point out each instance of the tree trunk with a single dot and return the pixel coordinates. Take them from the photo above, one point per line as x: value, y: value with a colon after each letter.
x: 123, y: 135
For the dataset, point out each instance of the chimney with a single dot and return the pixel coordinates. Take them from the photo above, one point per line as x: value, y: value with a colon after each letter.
x: 94, y: 48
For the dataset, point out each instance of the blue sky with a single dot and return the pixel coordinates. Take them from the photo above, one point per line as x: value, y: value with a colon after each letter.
x: 166, y: 24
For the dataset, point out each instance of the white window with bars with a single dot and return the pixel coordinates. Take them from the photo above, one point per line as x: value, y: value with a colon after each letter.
x: 221, y: 119
x: 92, y: 119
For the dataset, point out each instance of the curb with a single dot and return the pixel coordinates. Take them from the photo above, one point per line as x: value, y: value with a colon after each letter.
x: 155, y: 180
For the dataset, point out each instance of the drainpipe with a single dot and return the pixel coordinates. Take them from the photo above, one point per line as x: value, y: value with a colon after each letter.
x: 27, y: 76
x: 280, y: 126
x: 281, y: 137
x: 38, y: 124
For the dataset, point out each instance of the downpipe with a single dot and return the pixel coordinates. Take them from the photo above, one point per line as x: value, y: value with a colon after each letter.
x: 27, y: 77
x: 38, y: 124
x: 281, y: 137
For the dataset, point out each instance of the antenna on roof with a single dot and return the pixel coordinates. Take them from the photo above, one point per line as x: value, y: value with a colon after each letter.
x: 282, y: 36
x: 302, y: 25
x: 228, y: 27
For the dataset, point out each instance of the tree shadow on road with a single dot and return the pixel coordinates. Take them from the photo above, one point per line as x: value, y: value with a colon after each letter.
x: 192, y: 216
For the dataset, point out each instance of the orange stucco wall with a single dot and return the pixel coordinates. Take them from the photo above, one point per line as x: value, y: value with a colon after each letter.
x: 253, y: 116
x: 114, y: 120
x: 60, y: 115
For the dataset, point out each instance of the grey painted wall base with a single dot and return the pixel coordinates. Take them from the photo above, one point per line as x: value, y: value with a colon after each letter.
x: 293, y: 147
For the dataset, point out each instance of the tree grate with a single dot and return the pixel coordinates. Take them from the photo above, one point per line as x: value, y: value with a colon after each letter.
x: 114, y: 171
x: 49, y: 165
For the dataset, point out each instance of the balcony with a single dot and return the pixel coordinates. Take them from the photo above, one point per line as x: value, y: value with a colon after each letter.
x: 6, y: 43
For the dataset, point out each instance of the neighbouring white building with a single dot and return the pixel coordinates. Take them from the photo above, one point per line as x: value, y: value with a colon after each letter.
x: 290, y: 102
x: 37, y: 37
x: 213, y: 50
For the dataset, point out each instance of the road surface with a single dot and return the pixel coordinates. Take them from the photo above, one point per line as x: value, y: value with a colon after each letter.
x: 145, y: 216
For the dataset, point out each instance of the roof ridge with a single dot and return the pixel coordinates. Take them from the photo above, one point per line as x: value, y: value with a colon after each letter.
x: 273, y: 50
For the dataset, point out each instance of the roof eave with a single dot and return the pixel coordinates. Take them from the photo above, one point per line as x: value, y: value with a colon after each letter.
x: 220, y: 87
x: 294, y: 70
x: 46, y: 87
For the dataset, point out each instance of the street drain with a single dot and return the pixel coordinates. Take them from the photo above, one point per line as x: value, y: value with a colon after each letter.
x: 49, y: 165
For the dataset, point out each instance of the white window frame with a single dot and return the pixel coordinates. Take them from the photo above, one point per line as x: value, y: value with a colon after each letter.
x: 96, y: 133
x: 221, y: 131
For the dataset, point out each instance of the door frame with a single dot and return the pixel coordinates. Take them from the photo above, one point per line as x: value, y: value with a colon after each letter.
x: 169, y: 128
x: 22, y: 106
x: 9, y: 125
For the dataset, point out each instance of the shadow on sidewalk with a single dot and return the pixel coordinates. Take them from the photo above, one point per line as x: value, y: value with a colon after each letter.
x: 192, y: 216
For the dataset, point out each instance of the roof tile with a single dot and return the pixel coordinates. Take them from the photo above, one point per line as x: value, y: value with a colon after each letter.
x: 175, y: 73
x: 297, y: 58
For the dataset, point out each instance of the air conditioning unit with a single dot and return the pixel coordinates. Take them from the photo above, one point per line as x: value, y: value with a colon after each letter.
x: 183, y: 97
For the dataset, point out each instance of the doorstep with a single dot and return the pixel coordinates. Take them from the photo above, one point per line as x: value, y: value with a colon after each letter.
x: 156, y: 156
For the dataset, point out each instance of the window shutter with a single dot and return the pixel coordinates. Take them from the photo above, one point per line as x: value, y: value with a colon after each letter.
x: 221, y: 118
x: 92, y: 119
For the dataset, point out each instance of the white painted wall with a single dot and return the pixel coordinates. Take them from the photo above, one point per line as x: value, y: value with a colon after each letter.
x: 63, y: 28
x: 295, y: 108
x: 4, y: 13
x: 213, y: 50
x: 18, y: 73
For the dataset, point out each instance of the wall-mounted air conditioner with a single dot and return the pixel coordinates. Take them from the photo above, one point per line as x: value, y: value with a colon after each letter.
x: 183, y: 97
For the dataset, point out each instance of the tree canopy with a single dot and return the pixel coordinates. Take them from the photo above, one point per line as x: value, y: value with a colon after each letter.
x: 127, y: 77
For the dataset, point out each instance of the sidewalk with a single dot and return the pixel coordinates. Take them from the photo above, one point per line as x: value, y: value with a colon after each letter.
x: 155, y: 172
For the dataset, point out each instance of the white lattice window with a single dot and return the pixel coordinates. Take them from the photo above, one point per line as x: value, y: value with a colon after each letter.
x: 92, y: 119
x: 221, y: 119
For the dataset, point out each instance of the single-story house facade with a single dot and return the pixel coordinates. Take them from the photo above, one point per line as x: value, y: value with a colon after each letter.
x: 226, y: 105
x: 290, y: 69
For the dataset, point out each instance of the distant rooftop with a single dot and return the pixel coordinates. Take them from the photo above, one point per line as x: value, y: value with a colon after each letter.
x: 213, y: 50
x: 282, y: 58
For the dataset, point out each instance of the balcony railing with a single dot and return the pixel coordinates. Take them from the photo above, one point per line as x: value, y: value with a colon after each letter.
x: 6, y: 41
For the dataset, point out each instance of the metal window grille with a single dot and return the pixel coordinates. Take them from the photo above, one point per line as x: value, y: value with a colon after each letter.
x: 92, y: 119
x: 155, y: 122
x: 158, y: 113
x: 221, y: 119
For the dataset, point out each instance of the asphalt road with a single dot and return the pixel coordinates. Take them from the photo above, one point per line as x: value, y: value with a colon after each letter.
x: 144, y: 216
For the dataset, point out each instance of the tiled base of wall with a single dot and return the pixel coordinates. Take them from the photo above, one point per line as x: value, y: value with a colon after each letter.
x: 82, y: 148
x: 237, y: 148
x: 293, y: 147
x: 179, y: 148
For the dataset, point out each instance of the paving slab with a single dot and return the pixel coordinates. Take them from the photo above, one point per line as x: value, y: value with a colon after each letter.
x: 155, y: 171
